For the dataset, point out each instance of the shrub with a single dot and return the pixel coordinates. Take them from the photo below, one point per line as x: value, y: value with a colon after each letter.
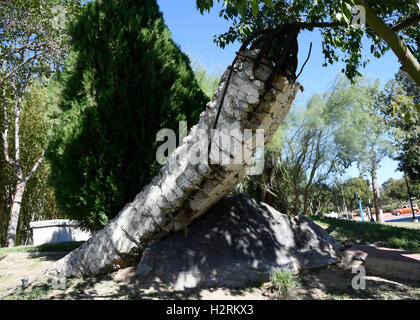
x: 125, y: 79
x: 284, y: 282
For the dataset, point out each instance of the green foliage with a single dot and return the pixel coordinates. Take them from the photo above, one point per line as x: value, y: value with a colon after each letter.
x: 381, y: 235
x: 373, y: 141
x: 284, y: 281
x: 39, y: 200
x: 394, y: 191
x: 310, y: 147
x: 52, y: 247
x: 247, y: 16
x: 208, y: 81
x: 350, y: 188
x: 29, y: 32
x: 402, y: 94
x: 32, y: 48
x: 125, y: 80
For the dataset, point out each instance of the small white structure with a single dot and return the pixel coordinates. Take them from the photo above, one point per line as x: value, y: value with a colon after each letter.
x: 331, y: 215
x: 55, y: 231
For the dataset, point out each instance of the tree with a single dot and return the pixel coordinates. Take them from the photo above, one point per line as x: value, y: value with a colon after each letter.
x: 321, y: 197
x: 395, y: 191
x: 352, y: 186
x: 208, y: 81
x: 373, y: 143
x: 39, y: 200
x: 125, y: 79
x: 273, y: 186
x: 390, y: 24
x: 309, y: 148
x: 32, y: 46
x: 403, y: 94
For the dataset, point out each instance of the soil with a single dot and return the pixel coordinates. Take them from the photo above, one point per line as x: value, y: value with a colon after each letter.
x: 320, y: 284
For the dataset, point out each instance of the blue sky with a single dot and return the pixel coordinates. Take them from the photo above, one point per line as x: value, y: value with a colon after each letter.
x: 194, y: 34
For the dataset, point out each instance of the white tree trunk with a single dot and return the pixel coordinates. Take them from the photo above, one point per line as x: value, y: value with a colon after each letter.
x: 183, y: 191
x: 377, y: 200
x: 14, y: 216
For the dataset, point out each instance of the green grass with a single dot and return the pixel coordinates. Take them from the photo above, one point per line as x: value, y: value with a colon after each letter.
x: 409, y: 225
x: 284, y: 281
x: 383, y: 235
x: 38, y: 292
x: 55, y: 247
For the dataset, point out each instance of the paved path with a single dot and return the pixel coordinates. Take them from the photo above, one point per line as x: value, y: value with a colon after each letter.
x: 388, y: 253
x: 386, y: 261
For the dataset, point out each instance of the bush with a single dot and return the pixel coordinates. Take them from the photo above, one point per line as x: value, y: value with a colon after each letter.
x: 284, y: 282
x: 125, y: 79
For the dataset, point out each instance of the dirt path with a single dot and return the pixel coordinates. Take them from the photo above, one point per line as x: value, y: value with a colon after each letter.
x: 325, y: 283
x: 16, y: 266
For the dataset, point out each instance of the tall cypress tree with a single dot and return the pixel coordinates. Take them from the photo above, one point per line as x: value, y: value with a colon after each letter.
x: 125, y: 80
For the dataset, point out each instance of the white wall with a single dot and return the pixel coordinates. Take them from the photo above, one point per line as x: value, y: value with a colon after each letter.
x: 56, y: 231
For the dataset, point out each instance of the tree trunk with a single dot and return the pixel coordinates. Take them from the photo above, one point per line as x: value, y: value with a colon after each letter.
x: 376, y: 195
x: 183, y: 191
x: 14, y: 216
x: 296, y: 200
x: 305, y: 202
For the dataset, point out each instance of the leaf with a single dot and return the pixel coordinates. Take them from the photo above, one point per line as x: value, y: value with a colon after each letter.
x: 255, y: 7
x: 346, y: 11
x: 269, y: 3
x: 203, y: 5
x: 242, y: 6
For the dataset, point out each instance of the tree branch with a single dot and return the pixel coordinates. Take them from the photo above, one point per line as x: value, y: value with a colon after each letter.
x: 27, y: 46
x: 407, y: 59
x: 6, y: 130
x: 35, y: 167
x: 406, y: 23
x: 18, y: 92
x: 310, y: 25
x: 398, y: 27
x: 22, y: 64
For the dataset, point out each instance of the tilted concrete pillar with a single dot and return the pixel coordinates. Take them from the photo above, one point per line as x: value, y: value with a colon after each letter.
x: 183, y: 191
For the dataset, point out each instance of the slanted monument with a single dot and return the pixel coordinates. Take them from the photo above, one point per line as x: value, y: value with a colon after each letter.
x: 179, y: 196
x: 254, y: 96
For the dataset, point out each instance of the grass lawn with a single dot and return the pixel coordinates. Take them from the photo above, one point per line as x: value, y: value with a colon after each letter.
x: 409, y: 225
x: 320, y: 284
x: 55, y: 247
x: 382, y: 235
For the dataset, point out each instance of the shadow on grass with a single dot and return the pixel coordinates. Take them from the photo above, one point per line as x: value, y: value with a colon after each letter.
x: 334, y: 283
x: 330, y: 283
x: 53, y: 247
x: 383, y: 235
x: 111, y: 287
